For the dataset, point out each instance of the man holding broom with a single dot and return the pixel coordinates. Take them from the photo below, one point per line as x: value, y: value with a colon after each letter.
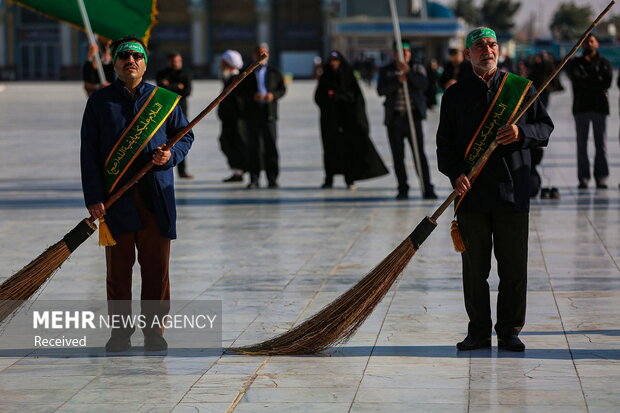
x: 123, y: 128
x: 492, y: 208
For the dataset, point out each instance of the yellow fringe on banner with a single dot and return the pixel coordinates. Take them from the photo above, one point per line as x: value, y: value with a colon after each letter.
x: 457, y: 238
x: 105, y: 236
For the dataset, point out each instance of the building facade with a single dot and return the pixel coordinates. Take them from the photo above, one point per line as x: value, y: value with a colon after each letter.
x: 33, y: 47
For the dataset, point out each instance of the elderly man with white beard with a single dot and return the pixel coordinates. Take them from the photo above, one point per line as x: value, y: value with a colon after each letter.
x: 493, y: 207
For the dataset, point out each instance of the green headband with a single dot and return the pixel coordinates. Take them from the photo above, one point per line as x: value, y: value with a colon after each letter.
x: 406, y: 45
x: 133, y: 46
x: 478, y: 34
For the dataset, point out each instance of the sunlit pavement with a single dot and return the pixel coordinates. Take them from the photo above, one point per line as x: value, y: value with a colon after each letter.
x: 274, y: 257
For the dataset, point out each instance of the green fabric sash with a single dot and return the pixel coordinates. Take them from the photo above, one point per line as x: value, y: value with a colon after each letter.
x: 150, y: 117
x: 504, y: 107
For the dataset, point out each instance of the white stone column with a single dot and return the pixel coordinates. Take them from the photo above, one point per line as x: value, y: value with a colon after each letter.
x: 199, y: 14
x: 263, y: 28
x: 326, y: 10
x: 65, y: 45
x: 3, y: 45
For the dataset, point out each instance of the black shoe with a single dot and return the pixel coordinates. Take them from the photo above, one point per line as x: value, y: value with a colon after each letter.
x: 473, y: 343
x: 510, y: 343
x: 601, y: 184
x: 272, y: 185
x: 252, y: 185
x: 186, y: 176
x: 327, y: 185
x: 583, y: 184
x: 430, y: 194
x: 118, y: 344
x: 555, y: 193
x: 402, y: 195
x: 233, y: 178
x: 155, y: 342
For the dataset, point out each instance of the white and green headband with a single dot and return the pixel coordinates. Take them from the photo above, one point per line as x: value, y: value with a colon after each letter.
x: 477, y: 34
x: 133, y: 46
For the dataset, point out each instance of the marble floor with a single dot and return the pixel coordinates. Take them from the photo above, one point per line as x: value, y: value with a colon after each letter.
x: 274, y: 257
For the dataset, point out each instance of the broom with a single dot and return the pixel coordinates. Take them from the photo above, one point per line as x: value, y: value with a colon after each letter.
x: 339, y: 320
x: 27, y: 281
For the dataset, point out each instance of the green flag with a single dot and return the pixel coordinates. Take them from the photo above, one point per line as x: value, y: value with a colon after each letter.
x: 109, y: 18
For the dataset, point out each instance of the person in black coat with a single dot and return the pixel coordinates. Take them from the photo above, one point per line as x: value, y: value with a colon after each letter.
x: 90, y: 75
x: 591, y: 76
x: 493, y: 216
x: 179, y: 81
x: 390, y: 85
x: 233, y: 141
x: 455, y: 69
x: 261, y: 91
x: 347, y: 148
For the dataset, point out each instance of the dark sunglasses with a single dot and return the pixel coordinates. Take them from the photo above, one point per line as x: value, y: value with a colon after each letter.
x: 125, y: 55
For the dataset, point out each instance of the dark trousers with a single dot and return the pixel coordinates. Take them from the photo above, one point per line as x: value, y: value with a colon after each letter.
x: 233, y: 145
x: 153, y: 257
x: 182, y: 167
x: 398, y: 131
x: 262, y: 134
x: 505, y: 232
x: 599, y: 127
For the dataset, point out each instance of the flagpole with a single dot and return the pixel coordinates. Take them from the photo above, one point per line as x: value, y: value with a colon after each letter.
x: 92, y: 40
x: 401, y: 57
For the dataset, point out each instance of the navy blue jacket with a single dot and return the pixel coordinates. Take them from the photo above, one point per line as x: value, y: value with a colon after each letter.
x: 505, y: 179
x: 107, y: 114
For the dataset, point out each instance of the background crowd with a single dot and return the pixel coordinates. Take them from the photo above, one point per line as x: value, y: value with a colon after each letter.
x: 249, y: 116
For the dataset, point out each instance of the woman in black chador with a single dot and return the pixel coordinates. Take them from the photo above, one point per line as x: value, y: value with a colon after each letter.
x: 347, y: 148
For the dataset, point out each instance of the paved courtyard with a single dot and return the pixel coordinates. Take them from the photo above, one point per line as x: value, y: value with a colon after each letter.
x: 274, y: 257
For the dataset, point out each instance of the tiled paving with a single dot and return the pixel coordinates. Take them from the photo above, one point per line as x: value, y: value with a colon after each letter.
x: 276, y: 256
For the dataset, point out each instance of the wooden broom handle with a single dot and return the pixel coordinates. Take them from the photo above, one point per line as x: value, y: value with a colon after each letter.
x: 134, y: 179
x: 487, y: 154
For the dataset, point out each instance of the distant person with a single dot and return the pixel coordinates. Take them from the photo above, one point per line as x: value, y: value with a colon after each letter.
x: 432, y: 71
x: 541, y: 68
x: 177, y: 80
x: 317, y: 67
x: 505, y: 62
x: 455, y: 69
x: 618, y: 84
x: 347, y: 148
x: 90, y: 74
x: 390, y: 84
x: 261, y: 92
x: 232, y: 136
x: 591, y: 77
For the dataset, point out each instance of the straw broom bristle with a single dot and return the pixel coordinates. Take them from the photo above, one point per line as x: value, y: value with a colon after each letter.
x: 27, y: 281
x: 337, y: 322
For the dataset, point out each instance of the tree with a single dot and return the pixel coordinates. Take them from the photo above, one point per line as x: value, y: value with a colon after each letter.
x: 499, y: 14
x: 466, y: 10
x: 570, y: 20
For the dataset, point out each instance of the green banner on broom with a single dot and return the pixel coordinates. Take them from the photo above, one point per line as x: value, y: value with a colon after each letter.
x: 109, y: 18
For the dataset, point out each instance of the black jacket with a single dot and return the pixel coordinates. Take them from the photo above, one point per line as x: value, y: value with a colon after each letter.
x: 388, y: 86
x: 505, y: 179
x: 590, y: 83
x: 457, y: 73
x: 249, y: 87
x: 176, y: 77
